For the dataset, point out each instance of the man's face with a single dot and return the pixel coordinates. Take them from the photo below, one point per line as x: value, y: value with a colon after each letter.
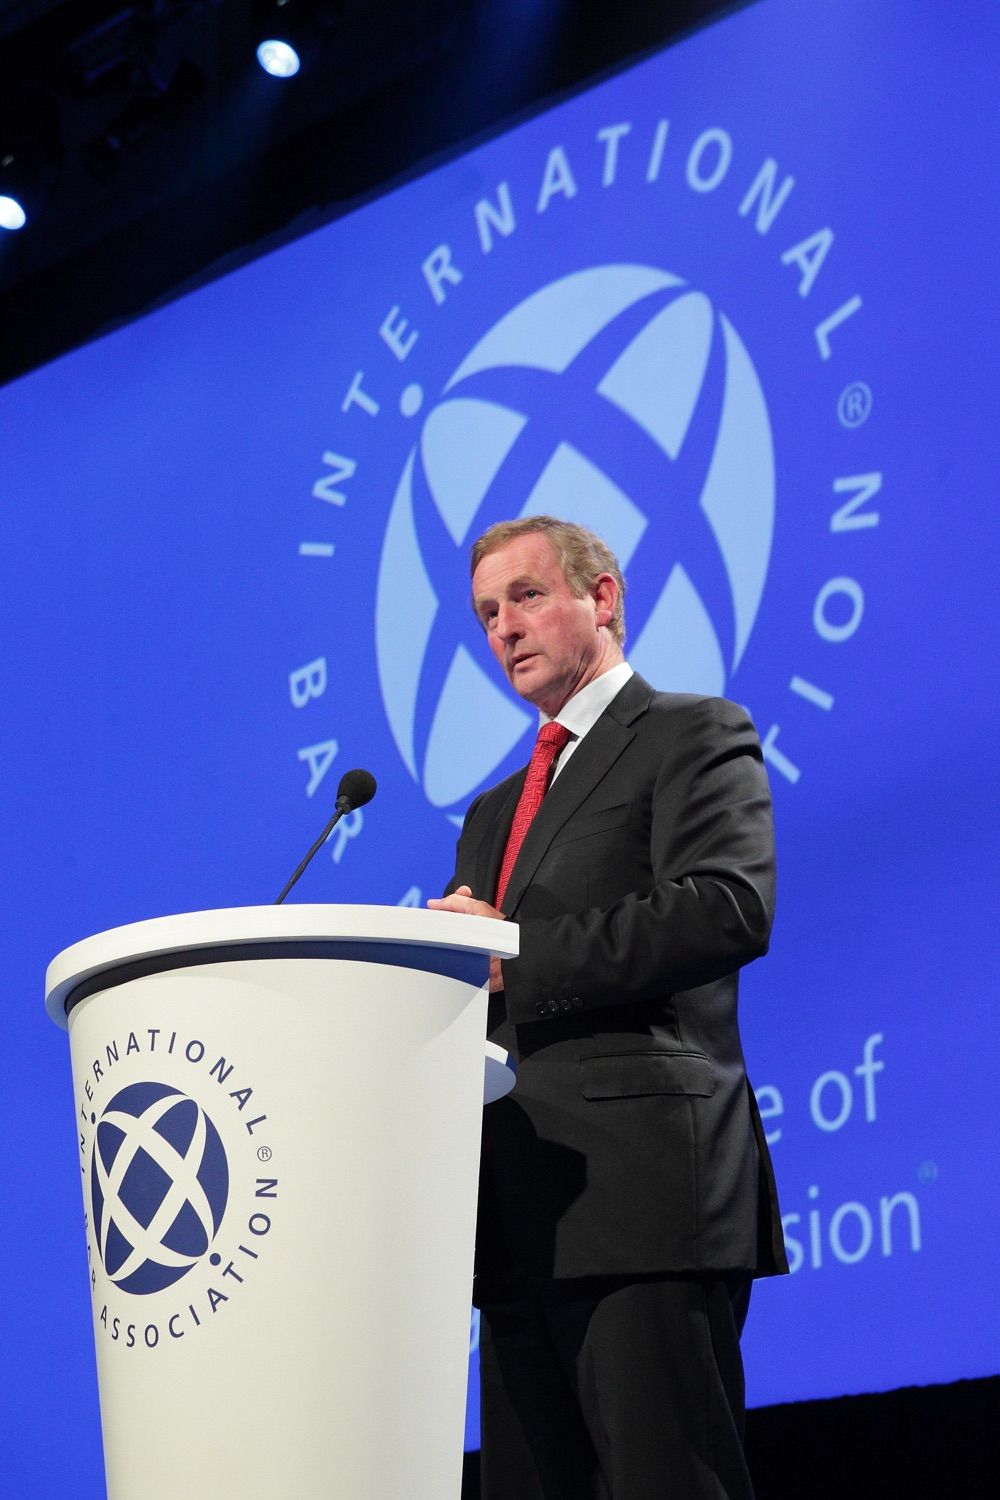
x: 549, y: 642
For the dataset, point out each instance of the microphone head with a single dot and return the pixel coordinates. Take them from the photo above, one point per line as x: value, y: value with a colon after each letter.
x: 355, y: 789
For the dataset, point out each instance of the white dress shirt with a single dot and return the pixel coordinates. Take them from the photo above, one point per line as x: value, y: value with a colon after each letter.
x: 584, y: 709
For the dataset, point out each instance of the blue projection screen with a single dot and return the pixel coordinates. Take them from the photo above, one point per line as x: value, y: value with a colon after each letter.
x: 734, y: 308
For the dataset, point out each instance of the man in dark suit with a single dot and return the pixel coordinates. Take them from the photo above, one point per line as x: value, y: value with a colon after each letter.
x: 627, y: 1198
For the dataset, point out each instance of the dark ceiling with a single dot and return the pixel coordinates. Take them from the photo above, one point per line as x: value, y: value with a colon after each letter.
x: 158, y: 150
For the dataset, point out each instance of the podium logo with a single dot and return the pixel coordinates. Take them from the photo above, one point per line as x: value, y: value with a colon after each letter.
x: 159, y: 1186
x: 617, y: 395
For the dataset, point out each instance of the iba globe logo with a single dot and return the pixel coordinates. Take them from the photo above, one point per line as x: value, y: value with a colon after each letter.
x: 159, y: 1186
x: 619, y: 397
x: 623, y: 397
x: 167, y: 1178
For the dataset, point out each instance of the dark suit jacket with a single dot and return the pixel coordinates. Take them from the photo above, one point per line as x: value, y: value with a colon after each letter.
x: 632, y: 1142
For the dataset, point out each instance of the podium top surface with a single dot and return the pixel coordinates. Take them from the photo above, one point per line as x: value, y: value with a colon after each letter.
x: 407, y: 936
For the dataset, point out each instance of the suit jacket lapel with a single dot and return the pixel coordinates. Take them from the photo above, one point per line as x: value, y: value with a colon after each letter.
x: 601, y: 747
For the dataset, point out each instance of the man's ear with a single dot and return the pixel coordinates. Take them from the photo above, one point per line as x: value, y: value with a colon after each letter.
x: 605, y: 593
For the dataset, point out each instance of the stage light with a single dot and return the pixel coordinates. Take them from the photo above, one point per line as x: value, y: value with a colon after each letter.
x: 12, y: 215
x: 278, y: 58
x: 295, y: 32
x: 31, y: 154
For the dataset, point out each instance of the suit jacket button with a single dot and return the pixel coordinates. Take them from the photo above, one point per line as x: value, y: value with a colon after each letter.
x: 542, y: 1008
x: 576, y: 1003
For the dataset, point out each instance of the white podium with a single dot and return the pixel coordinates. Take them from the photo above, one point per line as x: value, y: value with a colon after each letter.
x: 278, y: 1113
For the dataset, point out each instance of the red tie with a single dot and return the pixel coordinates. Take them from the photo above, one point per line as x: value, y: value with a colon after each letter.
x: 551, y: 739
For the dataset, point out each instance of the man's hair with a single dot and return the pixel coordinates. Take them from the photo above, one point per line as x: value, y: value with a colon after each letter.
x: 582, y: 556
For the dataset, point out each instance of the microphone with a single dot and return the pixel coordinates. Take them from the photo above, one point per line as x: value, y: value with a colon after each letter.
x: 355, y: 789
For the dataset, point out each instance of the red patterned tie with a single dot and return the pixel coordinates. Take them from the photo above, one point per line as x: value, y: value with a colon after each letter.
x: 551, y: 739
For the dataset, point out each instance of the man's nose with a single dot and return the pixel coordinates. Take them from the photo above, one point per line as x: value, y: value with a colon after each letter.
x: 508, y: 621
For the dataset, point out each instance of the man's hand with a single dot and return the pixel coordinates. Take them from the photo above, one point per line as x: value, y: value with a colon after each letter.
x: 466, y: 904
x: 463, y: 901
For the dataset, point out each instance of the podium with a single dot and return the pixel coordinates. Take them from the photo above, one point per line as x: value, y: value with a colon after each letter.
x: 278, y: 1116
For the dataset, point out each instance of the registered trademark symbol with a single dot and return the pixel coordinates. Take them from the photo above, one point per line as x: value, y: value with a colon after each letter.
x: 927, y: 1171
x: 855, y: 404
x: 263, y: 1153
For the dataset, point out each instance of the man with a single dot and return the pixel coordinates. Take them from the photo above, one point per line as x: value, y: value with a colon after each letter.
x: 626, y: 1196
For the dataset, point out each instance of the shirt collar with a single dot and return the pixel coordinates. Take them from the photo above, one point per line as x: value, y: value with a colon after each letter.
x: 584, y: 709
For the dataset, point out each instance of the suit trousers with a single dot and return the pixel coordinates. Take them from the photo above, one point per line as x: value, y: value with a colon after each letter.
x: 614, y: 1388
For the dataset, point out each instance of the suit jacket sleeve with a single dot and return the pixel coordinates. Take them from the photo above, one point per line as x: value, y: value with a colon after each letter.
x: 696, y: 906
